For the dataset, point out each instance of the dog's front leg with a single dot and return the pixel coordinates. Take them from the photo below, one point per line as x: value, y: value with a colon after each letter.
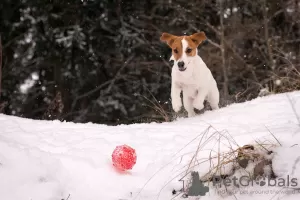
x: 175, y: 97
x: 199, y: 100
x: 188, y: 104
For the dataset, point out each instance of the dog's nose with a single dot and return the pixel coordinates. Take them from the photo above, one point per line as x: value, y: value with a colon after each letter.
x: 181, y: 64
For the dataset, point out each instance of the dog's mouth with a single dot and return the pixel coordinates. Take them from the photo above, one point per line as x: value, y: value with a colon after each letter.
x: 183, y: 69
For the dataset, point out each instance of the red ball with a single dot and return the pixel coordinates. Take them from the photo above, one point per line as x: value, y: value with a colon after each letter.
x: 124, y: 157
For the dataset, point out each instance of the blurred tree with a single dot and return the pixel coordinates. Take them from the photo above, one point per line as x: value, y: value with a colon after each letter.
x: 101, y: 60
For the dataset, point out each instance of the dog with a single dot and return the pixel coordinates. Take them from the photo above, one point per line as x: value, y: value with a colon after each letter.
x: 190, y: 75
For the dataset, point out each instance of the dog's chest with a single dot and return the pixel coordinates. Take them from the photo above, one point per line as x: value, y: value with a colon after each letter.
x: 189, y: 88
x: 185, y: 78
x: 187, y: 83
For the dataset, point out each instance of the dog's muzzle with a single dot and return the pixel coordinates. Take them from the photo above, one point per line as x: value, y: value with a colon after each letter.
x: 181, y: 66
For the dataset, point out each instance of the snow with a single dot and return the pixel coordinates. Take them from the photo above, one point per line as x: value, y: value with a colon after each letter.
x: 52, y: 160
x: 29, y: 83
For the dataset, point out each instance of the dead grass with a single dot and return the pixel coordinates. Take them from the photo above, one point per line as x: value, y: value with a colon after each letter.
x: 217, y: 159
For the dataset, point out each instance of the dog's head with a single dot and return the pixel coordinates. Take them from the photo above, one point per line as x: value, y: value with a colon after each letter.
x: 184, y: 48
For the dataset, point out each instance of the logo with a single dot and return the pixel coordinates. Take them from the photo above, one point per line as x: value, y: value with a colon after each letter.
x: 248, y: 181
x: 197, y: 187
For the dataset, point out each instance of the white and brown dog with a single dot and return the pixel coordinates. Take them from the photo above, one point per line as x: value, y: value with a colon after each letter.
x: 190, y: 74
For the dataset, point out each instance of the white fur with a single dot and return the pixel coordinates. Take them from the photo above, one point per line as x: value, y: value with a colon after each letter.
x: 196, y: 83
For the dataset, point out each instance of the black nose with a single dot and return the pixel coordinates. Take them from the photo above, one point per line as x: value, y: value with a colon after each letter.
x: 181, y: 64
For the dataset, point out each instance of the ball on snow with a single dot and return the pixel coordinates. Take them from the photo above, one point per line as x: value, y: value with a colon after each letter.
x: 124, y: 157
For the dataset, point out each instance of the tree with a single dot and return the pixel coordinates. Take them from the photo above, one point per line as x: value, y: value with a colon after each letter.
x: 103, y: 61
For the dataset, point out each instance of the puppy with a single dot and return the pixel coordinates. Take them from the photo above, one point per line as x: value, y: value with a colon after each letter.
x: 190, y: 74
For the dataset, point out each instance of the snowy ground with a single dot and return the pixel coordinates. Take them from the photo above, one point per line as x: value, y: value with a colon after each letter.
x: 50, y: 160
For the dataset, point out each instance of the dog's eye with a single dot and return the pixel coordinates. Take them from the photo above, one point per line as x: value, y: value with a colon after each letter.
x: 171, y: 62
x: 189, y: 50
x: 175, y: 51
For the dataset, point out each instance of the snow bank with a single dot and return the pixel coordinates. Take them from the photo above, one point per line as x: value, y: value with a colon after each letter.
x: 52, y: 160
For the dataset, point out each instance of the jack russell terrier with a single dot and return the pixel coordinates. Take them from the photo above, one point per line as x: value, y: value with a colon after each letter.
x: 190, y: 74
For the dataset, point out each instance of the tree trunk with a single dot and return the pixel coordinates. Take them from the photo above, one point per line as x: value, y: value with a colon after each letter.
x: 225, y: 84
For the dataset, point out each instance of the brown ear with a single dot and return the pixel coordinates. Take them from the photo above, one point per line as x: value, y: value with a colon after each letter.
x: 197, y: 38
x: 168, y: 38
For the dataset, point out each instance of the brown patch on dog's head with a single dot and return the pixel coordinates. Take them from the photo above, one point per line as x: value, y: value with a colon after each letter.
x: 168, y: 38
x: 176, y: 44
x: 193, y: 42
x: 198, y: 38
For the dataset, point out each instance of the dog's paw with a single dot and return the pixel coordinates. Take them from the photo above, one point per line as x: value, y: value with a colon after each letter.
x: 215, y: 107
x: 191, y: 114
x: 176, y: 105
x: 198, y: 105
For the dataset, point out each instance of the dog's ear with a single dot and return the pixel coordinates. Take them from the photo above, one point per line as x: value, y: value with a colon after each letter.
x: 168, y: 38
x: 197, y: 38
